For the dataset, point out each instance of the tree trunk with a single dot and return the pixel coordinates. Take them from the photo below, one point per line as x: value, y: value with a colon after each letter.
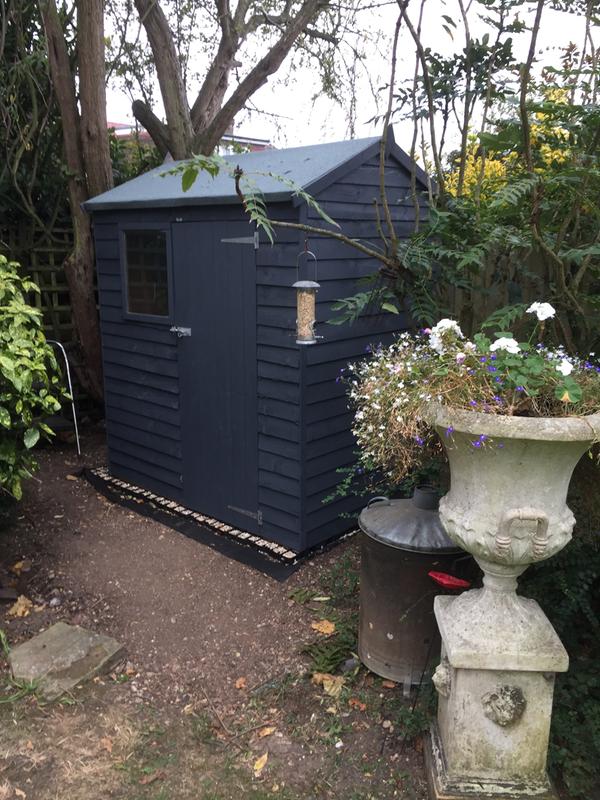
x: 168, y: 70
x: 201, y: 129
x: 92, y: 96
x: 79, y: 267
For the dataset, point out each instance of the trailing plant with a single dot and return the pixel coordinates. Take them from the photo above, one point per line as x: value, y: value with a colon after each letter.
x: 30, y: 387
x: 391, y: 391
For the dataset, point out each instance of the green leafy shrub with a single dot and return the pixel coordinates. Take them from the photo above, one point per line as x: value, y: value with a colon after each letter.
x: 29, y: 379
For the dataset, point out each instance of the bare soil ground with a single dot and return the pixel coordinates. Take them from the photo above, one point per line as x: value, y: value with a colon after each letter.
x: 216, y: 676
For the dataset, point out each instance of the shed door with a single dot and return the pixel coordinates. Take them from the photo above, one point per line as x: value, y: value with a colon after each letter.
x: 215, y: 296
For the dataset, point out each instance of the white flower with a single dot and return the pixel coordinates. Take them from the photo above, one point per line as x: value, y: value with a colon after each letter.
x: 448, y: 325
x: 542, y: 311
x: 565, y: 367
x: 506, y: 343
x: 436, y: 336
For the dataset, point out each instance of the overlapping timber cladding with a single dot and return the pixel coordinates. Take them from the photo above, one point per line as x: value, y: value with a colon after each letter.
x: 209, y: 399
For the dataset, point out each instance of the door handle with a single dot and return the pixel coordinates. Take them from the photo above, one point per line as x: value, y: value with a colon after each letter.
x: 180, y: 331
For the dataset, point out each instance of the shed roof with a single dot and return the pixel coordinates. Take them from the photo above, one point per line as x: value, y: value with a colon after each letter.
x: 309, y: 167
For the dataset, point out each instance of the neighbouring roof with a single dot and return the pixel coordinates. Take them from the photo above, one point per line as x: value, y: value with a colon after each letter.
x: 306, y: 166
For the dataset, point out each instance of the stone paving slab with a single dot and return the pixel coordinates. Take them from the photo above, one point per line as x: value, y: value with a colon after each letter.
x: 60, y: 658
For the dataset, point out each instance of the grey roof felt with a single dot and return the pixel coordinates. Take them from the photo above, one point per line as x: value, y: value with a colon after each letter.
x: 303, y: 165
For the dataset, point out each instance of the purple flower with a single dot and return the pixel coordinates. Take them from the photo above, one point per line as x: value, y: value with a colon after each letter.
x: 520, y: 388
x: 498, y: 380
x: 588, y: 365
x: 493, y: 357
x: 476, y: 443
x: 419, y: 441
x: 449, y: 430
x: 472, y: 402
x: 492, y: 369
x: 471, y: 371
x: 483, y: 359
x: 498, y: 399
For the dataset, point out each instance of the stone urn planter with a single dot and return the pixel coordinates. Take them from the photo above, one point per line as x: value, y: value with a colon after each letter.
x: 507, y: 507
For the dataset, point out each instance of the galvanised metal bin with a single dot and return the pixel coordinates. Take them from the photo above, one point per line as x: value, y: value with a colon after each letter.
x: 402, y: 541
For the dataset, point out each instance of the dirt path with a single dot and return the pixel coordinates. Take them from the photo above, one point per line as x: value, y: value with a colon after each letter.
x: 215, y: 662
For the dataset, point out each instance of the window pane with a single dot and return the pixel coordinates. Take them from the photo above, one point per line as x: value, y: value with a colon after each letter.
x: 147, y: 276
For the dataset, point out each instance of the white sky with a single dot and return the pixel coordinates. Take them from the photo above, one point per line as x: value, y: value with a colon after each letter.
x: 305, y: 122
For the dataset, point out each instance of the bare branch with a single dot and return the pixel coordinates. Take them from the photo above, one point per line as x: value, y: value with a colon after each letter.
x: 157, y: 129
x: 169, y: 76
x: 206, y: 140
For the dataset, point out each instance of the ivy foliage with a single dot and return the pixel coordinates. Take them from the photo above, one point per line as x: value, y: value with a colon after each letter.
x: 30, y: 387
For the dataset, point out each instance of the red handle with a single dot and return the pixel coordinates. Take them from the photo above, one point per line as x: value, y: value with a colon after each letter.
x: 449, y: 581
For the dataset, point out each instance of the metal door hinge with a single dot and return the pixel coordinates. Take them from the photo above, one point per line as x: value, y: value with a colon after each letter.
x: 180, y: 331
x: 257, y: 515
x: 253, y: 240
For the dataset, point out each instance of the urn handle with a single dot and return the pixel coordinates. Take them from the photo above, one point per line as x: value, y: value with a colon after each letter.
x: 539, y: 540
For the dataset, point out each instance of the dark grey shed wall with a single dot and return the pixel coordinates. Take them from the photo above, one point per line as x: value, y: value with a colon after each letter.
x: 143, y: 417
x: 143, y: 422
x: 303, y: 422
x: 328, y: 444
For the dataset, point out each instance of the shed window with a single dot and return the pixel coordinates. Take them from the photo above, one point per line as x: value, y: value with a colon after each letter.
x: 147, y: 272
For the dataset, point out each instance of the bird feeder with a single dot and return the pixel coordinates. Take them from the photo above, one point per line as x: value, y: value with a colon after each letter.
x: 306, y: 304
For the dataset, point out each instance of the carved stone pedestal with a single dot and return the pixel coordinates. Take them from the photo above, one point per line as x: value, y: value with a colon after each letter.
x: 495, y: 684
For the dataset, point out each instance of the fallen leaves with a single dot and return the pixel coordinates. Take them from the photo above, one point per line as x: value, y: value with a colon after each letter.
x: 157, y: 775
x: 388, y: 684
x: 354, y: 702
x: 106, y: 744
x: 323, y: 626
x: 21, y: 608
x: 19, y: 793
x: 241, y: 683
x: 260, y: 764
x: 71, y: 477
x: 266, y: 731
x: 332, y: 684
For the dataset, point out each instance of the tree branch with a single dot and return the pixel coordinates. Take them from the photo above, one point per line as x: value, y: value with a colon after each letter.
x: 206, y: 141
x: 403, y: 5
x: 212, y: 92
x: 168, y: 71
x: 148, y: 120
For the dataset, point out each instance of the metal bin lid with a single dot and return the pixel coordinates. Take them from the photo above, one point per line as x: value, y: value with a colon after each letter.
x: 406, y: 524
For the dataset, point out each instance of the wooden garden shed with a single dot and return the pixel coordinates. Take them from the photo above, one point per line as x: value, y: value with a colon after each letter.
x: 209, y: 400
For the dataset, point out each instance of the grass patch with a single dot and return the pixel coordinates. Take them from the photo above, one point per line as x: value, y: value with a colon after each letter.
x: 327, y: 655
